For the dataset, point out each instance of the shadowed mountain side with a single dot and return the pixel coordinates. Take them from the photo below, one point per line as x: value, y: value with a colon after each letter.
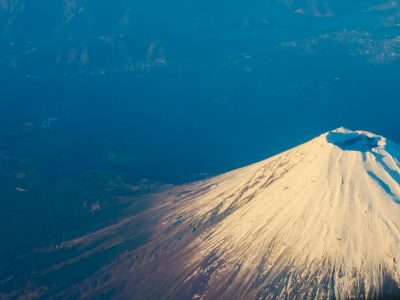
x: 366, y: 143
x: 353, y: 141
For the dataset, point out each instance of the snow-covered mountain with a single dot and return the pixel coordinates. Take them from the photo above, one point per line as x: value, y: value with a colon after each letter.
x: 320, y: 221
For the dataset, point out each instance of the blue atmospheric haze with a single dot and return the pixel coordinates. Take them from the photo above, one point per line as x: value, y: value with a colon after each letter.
x: 97, y: 96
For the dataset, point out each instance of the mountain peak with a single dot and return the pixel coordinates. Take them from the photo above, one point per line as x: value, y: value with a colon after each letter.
x: 355, y: 140
x: 342, y: 130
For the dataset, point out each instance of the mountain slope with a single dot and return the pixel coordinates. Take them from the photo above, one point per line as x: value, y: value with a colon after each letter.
x: 320, y: 221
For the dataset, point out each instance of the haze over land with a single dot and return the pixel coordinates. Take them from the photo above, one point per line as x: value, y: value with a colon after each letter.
x: 104, y: 104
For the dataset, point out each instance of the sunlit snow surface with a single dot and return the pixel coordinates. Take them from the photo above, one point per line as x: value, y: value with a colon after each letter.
x: 320, y: 221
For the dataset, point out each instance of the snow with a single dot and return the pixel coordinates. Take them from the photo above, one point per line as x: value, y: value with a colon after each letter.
x: 319, y: 221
